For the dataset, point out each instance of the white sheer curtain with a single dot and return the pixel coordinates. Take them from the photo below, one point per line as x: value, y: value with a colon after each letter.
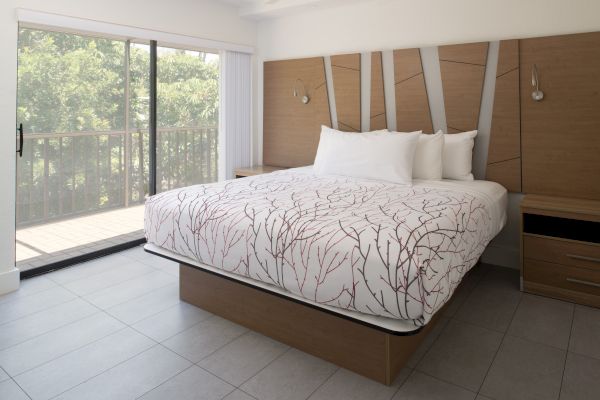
x: 235, y: 113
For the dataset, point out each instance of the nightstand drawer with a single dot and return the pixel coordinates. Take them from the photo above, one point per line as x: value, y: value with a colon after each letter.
x: 562, y: 276
x: 561, y: 251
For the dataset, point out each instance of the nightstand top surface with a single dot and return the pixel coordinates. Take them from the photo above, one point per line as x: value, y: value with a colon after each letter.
x: 256, y: 170
x: 561, y: 205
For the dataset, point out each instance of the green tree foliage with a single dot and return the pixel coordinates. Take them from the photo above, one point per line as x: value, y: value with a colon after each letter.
x: 71, y: 83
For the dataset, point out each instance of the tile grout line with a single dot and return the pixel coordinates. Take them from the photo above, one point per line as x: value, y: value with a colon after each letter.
x: 69, y: 352
x: 263, y: 368
x: 102, y: 372
x: 30, y: 294
x: 500, y: 345
x: 19, y: 386
x: 446, y: 381
x: 152, y: 270
x: 335, y: 371
x: 165, y: 381
x: 51, y: 330
x: 412, y: 372
x: 38, y: 311
x: 562, y: 379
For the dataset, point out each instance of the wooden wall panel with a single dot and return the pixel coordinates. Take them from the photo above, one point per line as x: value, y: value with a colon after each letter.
x: 561, y: 133
x: 504, y: 151
x: 291, y: 129
x: 378, y: 116
x: 463, y: 69
x: 346, y: 85
x: 412, y: 103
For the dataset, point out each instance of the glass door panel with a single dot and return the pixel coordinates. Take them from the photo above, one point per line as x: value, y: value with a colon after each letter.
x: 82, y: 177
x: 187, y: 118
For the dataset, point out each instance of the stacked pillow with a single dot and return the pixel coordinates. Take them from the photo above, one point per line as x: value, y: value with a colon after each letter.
x: 395, y: 156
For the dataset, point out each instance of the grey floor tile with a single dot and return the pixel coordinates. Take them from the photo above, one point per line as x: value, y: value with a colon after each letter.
x: 293, y: 376
x: 28, y: 287
x: 427, y: 342
x: 462, y: 355
x: 525, y: 370
x: 493, y: 301
x: 113, y: 275
x: 581, y: 379
x: 130, y: 289
x: 543, y: 320
x: 238, y: 395
x: 63, y: 373
x: 3, y: 375
x: 137, y: 253
x: 9, y: 390
x: 171, y: 321
x: 162, y: 264
x: 25, y: 328
x: 51, y: 345
x: 24, y: 306
x: 243, y: 358
x: 131, y: 379
x: 346, y: 385
x: 192, y: 384
x: 482, y: 397
x: 423, y: 387
x: 88, y: 268
x: 158, y: 300
x: 463, y: 290
x: 586, y: 331
x: 204, y: 338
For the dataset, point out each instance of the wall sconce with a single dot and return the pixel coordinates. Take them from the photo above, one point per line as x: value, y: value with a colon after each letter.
x: 305, y: 98
x: 537, y: 94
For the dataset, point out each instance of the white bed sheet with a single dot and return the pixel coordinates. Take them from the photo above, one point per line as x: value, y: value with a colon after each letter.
x: 378, y: 250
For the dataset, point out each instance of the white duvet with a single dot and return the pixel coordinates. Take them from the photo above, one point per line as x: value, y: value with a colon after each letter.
x: 378, y: 248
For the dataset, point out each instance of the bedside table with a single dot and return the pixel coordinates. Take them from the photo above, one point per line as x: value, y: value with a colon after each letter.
x: 256, y: 170
x: 560, y: 248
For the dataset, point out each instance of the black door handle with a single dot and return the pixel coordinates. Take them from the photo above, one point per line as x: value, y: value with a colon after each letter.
x: 20, y: 130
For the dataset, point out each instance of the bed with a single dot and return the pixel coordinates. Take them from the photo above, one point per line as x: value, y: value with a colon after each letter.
x: 326, y: 263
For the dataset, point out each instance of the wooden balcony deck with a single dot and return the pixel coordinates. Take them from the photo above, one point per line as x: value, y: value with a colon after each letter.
x: 51, y: 242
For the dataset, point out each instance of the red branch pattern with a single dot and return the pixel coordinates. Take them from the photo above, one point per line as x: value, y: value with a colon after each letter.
x: 368, y: 246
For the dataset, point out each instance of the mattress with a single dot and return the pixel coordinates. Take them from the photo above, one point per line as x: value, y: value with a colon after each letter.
x: 378, y: 250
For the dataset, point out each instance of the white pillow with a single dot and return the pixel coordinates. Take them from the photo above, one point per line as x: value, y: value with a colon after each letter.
x: 428, y: 157
x: 364, y: 155
x: 458, y: 155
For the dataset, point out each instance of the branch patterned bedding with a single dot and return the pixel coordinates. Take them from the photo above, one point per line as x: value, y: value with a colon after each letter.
x: 369, y: 246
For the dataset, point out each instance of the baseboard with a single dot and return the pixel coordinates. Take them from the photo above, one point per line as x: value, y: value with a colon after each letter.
x: 504, y: 256
x: 9, y: 281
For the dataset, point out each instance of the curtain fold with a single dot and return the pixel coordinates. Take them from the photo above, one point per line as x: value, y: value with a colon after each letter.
x: 235, y: 113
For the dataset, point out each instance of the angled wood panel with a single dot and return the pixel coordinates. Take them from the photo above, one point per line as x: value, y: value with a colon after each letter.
x: 463, y: 69
x: 561, y: 134
x: 412, y: 104
x: 346, y: 85
x: 291, y: 129
x: 378, y: 116
x: 504, y: 151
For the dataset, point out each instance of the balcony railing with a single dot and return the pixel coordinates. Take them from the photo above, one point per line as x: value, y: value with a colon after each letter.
x: 66, y: 174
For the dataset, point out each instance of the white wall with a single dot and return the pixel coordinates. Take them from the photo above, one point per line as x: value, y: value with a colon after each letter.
x: 201, y: 18
x: 393, y: 24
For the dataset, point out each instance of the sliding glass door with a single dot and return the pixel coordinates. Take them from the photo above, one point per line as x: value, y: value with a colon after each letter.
x: 187, y: 118
x: 85, y: 170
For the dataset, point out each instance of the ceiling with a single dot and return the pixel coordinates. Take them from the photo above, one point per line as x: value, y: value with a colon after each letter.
x: 260, y: 9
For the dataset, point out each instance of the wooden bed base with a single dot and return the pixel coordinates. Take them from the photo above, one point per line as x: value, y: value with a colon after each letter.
x: 369, y: 351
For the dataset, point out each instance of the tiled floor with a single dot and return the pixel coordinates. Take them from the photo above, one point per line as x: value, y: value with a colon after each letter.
x: 43, y: 244
x: 114, y: 328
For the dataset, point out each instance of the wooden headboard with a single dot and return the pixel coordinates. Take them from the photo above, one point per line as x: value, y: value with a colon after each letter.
x: 549, y: 147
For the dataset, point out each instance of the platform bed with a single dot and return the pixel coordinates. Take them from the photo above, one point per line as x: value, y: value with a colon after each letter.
x: 371, y: 350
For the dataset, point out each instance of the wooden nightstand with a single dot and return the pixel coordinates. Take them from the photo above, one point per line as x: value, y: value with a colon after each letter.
x: 560, y: 248
x: 256, y: 170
